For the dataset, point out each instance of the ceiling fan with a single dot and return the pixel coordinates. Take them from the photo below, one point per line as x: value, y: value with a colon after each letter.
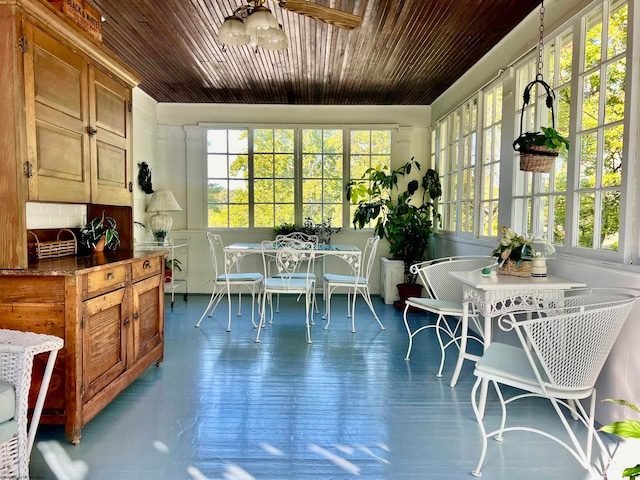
x: 254, y: 24
x: 324, y: 14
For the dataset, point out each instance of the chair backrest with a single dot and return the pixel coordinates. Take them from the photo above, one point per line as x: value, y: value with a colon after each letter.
x: 570, y: 344
x: 290, y: 260
x: 215, y: 244
x: 300, y: 236
x: 369, y: 256
x: 434, y: 275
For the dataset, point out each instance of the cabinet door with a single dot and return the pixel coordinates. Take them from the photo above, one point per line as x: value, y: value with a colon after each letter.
x: 103, y: 341
x: 110, y: 120
x: 147, y: 316
x: 57, y: 113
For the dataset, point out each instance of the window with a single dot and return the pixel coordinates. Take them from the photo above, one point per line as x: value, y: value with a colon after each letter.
x: 228, y: 178
x: 490, y: 161
x: 263, y: 177
x: 273, y: 177
x: 540, y: 199
x: 600, y: 132
x: 322, y: 177
x: 457, y: 167
x: 368, y: 149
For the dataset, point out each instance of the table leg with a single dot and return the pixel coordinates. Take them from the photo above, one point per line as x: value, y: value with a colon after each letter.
x: 485, y: 383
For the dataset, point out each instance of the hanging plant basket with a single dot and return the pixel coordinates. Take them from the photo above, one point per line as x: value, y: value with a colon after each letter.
x: 539, y: 150
x: 537, y: 158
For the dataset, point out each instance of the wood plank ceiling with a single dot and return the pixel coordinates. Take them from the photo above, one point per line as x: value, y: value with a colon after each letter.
x: 406, y: 52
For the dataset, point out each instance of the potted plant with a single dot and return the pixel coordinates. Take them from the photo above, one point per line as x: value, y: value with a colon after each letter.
x: 625, y: 429
x: 169, y: 265
x: 100, y: 233
x: 322, y: 230
x: 406, y: 220
x: 508, y: 254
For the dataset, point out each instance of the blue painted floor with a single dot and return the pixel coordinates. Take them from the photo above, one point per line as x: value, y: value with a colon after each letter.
x: 347, y: 406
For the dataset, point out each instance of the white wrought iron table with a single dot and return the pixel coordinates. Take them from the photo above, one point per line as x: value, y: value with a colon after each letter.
x: 496, y: 295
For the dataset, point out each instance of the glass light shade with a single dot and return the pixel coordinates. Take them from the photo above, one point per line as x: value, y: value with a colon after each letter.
x: 538, y: 247
x: 233, y: 32
x: 260, y: 21
x: 275, y: 39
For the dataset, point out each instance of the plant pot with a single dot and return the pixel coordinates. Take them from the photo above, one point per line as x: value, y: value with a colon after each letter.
x: 168, y: 273
x: 407, y: 290
x: 99, y: 247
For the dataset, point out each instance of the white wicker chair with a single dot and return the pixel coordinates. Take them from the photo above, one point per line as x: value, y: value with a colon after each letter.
x: 562, y: 350
x: 445, y: 301
x: 17, y: 350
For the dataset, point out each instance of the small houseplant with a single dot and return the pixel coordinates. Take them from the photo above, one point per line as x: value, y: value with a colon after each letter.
x: 407, y: 220
x: 101, y: 231
x: 169, y: 265
x: 548, y: 137
x: 323, y: 230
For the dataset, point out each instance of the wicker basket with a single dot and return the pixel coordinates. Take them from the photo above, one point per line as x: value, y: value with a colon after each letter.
x: 509, y: 268
x: 56, y: 248
x: 537, y: 158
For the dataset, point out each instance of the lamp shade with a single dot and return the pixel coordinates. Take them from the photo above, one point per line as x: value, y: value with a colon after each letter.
x: 275, y: 40
x: 163, y: 201
x: 260, y: 22
x: 232, y: 32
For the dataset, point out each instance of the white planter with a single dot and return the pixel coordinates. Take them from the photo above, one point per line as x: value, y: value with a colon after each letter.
x: 391, y: 274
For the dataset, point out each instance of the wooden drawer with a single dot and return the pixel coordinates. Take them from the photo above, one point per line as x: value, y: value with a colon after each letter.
x: 106, y: 279
x: 145, y: 268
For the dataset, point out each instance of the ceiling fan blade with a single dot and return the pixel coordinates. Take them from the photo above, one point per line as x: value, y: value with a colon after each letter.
x: 324, y: 14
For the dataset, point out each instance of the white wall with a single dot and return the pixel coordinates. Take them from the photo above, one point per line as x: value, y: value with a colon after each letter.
x: 182, y: 168
x: 619, y: 377
x: 145, y: 149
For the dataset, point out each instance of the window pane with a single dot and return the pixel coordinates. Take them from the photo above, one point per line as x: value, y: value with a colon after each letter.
x: 610, y: 220
x: 593, y: 40
x: 613, y: 145
x: 588, y: 160
x: 585, y: 220
x: 618, y: 17
x: 616, y: 75
x: 591, y: 101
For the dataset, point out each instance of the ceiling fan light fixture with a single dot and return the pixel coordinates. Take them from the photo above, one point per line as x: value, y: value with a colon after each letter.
x: 260, y: 21
x: 233, y: 32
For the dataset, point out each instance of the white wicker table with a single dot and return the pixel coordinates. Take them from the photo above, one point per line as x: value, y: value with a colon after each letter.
x: 496, y: 295
x: 17, y: 351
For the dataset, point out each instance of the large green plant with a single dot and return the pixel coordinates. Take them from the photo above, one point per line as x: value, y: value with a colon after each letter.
x: 625, y: 429
x: 404, y: 217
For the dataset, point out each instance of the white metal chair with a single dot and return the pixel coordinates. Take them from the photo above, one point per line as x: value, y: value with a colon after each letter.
x: 294, y: 239
x: 445, y: 301
x: 562, y: 349
x: 358, y: 283
x: 232, y: 277
x: 288, y: 279
x: 17, y: 351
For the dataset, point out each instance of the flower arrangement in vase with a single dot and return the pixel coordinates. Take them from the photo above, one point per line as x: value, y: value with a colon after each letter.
x: 508, y: 254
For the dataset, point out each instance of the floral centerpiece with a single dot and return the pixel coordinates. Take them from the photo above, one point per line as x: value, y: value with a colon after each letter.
x: 508, y: 254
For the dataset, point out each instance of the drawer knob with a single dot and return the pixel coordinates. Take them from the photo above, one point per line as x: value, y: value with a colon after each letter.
x: 126, y: 321
x: 109, y: 276
x: 136, y: 316
x: 146, y: 265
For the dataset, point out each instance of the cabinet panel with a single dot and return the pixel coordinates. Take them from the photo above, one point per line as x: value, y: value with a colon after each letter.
x: 147, y: 316
x: 103, y: 341
x: 57, y: 117
x: 111, y: 118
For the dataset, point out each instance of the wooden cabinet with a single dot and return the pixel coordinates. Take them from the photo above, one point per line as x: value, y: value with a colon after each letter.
x: 109, y: 310
x: 65, y: 120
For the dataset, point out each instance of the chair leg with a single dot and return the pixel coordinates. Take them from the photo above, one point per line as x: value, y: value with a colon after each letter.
x: 213, y: 303
x: 406, y: 324
x: 229, y: 302
x: 464, y: 328
x: 483, y: 431
x: 364, y: 291
x: 262, y: 315
x: 308, y: 311
x: 239, y: 314
x: 327, y: 306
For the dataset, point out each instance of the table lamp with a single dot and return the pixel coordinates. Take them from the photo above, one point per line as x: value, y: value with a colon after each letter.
x: 538, y: 249
x: 160, y: 223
